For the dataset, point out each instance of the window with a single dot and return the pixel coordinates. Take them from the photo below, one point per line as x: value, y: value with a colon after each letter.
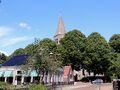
x: 19, y: 72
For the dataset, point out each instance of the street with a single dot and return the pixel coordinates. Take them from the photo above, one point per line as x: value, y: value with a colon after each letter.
x: 95, y: 87
x: 88, y: 86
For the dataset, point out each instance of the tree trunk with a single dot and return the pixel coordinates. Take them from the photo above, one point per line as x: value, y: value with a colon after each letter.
x: 105, y: 77
x: 38, y: 79
x: 50, y: 76
x: 53, y: 79
x: 94, y: 73
x: 42, y: 81
x: 43, y: 75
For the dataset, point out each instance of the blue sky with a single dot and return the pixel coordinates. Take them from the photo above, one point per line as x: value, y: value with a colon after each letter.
x: 23, y: 20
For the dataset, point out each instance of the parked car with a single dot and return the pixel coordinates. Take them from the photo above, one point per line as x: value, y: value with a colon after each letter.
x: 97, y: 81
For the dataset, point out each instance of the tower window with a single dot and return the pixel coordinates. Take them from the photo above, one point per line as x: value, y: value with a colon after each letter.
x: 56, y: 40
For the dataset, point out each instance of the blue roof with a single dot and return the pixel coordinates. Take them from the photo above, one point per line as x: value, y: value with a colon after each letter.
x: 16, y: 60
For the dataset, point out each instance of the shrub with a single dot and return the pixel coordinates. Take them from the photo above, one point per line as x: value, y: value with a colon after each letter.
x: 42, y: 82
x: 37, y: 87
x: 5, y: 85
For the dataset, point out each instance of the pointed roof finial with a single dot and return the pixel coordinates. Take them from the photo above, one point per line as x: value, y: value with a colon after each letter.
x: 60, y: 28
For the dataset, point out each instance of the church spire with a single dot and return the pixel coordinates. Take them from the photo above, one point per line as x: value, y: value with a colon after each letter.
x: 60, y: 30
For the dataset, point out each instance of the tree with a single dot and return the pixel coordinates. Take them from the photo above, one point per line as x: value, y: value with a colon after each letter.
x: 38, y: 63
x: 3, y: 58
x: 115, y: 66
x: 61, y: 52
x: 54, y: 63
x: 42, y: 61
x: 115, y: 43
x: 74, y: 47
x: 19, y: 51
x: 31, y: 49
x: 97, y: 55
x: 48, y: 45
x: 28, y: 50
x: 52, y: 54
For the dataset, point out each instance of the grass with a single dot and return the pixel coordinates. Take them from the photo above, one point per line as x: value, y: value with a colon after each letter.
x: 7, y: 86
x: 4, y: 85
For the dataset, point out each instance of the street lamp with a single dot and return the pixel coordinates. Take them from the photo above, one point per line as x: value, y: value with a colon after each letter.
x: 51, y: 53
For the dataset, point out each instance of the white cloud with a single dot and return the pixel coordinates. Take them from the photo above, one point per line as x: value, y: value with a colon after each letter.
x: 4, y: 30
x: 14, y: 41
x: 4, y: 52
x: 24, y: 25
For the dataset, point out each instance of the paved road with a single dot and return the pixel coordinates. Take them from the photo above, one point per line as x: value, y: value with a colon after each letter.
x: 84, y: 86
x: 87, y: 88
x: 95, y: 87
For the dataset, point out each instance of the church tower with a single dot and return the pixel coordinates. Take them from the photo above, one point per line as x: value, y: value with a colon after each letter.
x: 60, y: 31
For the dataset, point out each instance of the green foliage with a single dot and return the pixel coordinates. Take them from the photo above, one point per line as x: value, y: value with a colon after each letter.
x: 41, y: 60
x: 97, y: 54
x: 3, y: 58
x: 19, y: 51
x: 74, y: 47
x: 48, y: 45
x: 115, y: 66
x: 115, y: 43
x: 42, y: 82
x: 45, y: 48
x: 37, y: 62
x: 5, y: 85
x: 36, y: 87
x: 92, y: 53
x: 30, y: 49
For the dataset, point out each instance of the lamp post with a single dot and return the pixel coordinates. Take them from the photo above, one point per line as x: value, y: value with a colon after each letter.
x: 52, y: 71
x: 54, y: 64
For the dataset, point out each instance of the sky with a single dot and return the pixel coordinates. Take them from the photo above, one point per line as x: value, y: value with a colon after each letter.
x: 21, y: 21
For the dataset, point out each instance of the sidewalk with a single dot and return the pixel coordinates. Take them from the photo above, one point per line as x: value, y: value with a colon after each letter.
x: 106, y: 87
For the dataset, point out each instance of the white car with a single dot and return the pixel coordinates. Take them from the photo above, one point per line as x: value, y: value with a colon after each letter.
x: 97, y: 81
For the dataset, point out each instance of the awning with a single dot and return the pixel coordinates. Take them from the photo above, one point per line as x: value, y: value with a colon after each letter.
x: 26, y: 73
x: 1, y: 73
x: 8, y: 73
x: 33, y: 73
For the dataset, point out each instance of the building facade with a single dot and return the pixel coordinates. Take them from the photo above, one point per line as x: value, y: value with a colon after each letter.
x: 12, y: 72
